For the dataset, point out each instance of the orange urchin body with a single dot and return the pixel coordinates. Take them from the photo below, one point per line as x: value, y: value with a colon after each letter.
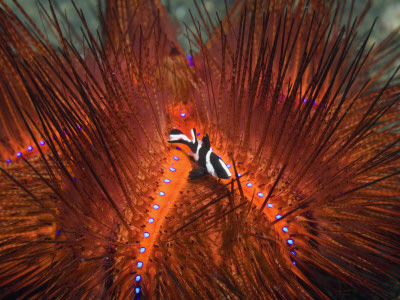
x: 100, y: 206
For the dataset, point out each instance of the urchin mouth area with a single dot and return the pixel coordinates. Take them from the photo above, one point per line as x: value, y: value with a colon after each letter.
x: 207, y: 215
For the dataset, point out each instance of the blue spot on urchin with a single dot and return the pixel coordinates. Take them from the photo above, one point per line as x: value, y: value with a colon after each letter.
x: 190, y: 59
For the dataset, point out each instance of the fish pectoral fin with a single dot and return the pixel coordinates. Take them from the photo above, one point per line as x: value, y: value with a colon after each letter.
x: 197, y: 173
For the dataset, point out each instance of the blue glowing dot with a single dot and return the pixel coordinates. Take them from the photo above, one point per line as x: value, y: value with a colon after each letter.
x: 294, y: 253
x: 178, y: 148
x: 155, y: 206
x: 285, y: 229
x: 294, y: 262
x: 198, y: 133
x: 172, y: 169
x: 249, y: 184
x: 260, y: 194
x: 30, y: 148
x: 183, y: 115
x: 167, y: 180
x: 142, y: 249
x: 138, y: 277
x: 278, y: 216
x: 42, y: 143
x: 79, y: 127
x: 228, y: 165
x: 239, y: 175
x: 146, y: 234
x: 290, y: 241
x: 137, y: 290
x: 8, y: 161
x: 58, y: 232
x: 315, y: 102
x: 219, y: 156
x: 19, y: 154
x: 74, y: 179
x: 176, y: 157
x: 162, y: 193
x: 190, y: 59
x: 139, y: 264
x: 270, y: 205
x: 151, y: 220
x: 305, y: 100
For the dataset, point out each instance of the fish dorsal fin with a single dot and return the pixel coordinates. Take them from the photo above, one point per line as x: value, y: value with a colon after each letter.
x: 206, y: 142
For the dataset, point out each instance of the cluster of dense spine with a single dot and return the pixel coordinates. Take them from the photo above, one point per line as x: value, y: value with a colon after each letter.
x: 295, y: 104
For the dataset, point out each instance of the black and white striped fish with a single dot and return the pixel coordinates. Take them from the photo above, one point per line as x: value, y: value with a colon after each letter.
x: 202, y: 154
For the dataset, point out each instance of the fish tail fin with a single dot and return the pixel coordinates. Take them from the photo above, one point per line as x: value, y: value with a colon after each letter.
x: 196, y: 174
